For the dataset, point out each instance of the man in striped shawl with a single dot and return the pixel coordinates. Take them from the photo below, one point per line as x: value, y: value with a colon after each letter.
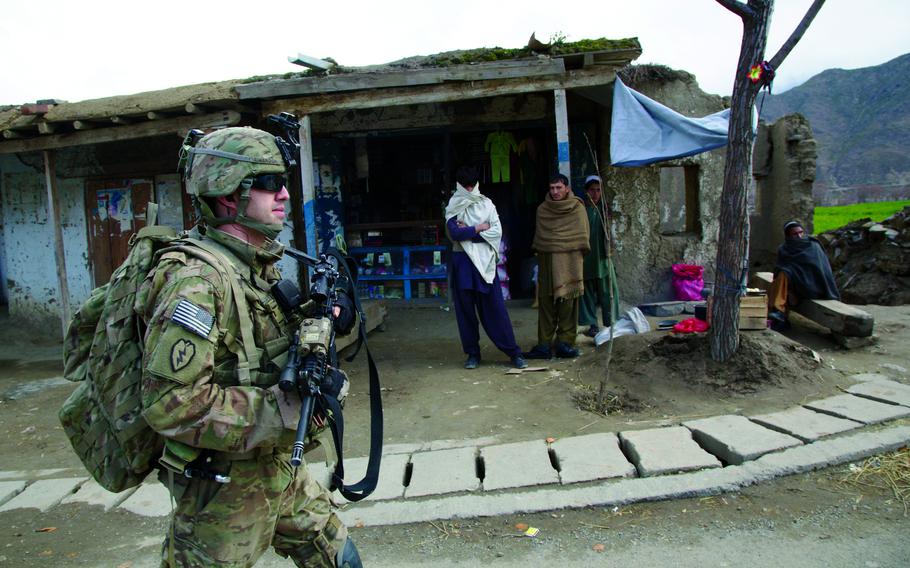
x: 561, y: 240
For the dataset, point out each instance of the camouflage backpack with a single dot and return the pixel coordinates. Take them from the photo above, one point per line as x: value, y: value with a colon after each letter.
x: 103, y: 352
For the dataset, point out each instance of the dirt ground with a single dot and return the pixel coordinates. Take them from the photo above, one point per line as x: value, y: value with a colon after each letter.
x: 814, y: 521
x: 428, y: 396
x: 808, y: 520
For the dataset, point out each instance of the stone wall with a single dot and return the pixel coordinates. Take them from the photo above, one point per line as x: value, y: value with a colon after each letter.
x: 645, y: 253
x: 30, y: 284
x: 29, y: 273
x: 783, y: 166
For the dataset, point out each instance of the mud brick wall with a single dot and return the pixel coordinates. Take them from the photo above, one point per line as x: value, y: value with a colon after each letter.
x: 783, y: 165
x: 645, y: 249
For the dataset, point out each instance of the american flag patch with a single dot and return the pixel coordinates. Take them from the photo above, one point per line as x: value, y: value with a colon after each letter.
x: 193, y: 318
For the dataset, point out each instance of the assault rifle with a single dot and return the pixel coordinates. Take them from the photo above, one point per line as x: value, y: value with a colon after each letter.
x: 309, y: 357
x: 309, y: 371
x: 307, y: 368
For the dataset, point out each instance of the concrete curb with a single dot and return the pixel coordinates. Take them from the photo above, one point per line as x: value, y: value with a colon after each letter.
x: 791, y: 461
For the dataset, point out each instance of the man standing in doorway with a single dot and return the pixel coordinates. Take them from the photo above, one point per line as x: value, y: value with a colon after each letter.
x: 600, y: 278
x: 561, y: 239
x: 472, y: 224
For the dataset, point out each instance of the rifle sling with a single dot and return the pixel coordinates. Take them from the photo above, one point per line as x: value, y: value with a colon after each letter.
x: 364, y: 487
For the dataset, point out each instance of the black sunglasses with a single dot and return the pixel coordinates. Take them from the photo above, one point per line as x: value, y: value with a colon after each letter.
x: 267, y: 182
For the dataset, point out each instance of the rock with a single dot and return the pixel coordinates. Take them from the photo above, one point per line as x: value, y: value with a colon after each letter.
x: 893, y: 367
x: 851, y: 342
x: 662, y: 309
x: 871, y: 261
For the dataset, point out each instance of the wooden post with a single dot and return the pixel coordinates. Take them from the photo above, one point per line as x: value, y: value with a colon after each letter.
x: 562, y: 132
x: 53, y: 213
x: 308, y: 188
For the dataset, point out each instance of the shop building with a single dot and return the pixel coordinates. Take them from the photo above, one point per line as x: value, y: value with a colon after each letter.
x: 380, y: 147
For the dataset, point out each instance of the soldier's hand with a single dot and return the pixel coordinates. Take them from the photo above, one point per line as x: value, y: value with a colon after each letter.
x: 336, y: 311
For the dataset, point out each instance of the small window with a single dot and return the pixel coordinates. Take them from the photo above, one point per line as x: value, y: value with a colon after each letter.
x: 678, y: 200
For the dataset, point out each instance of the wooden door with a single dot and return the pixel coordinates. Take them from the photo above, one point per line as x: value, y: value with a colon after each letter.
x: 116, y: 210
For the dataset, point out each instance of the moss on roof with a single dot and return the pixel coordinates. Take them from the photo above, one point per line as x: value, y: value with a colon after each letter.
x: 500, y: 53
x: 463, y: 57
x: 637, y: 74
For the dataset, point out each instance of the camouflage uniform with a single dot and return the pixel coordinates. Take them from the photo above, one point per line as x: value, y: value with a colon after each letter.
x: 191, y: 395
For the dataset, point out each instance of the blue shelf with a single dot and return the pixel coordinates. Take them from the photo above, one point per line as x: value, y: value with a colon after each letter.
x: 376, y: 277
x: 406, y: 277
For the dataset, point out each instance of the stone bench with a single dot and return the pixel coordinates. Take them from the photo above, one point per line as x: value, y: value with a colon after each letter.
x: 844, y: 320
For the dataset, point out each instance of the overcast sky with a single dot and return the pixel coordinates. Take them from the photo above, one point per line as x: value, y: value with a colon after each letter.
x: 77, y: 50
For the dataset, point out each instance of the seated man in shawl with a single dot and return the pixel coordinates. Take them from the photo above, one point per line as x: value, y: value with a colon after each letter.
x: 473, y: 226
x: 802, y: 272
x: 561, y: 240
x: 600, y: 277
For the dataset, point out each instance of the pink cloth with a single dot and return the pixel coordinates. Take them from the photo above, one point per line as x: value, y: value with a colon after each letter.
x: 688, y: 282
x: 691, y: 325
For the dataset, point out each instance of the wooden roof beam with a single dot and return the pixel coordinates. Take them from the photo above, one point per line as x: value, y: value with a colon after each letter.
x: 523, y: 69
x: 596, y: 75
x: 83, y: 125
x: 117, y: 133
x: 214, y: 106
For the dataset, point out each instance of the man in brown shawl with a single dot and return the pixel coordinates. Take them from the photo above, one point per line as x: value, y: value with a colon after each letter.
x: 561, y: 242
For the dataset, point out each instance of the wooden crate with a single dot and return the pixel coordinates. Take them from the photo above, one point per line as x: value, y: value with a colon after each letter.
x: 753, y: 311
x: 753, y: 306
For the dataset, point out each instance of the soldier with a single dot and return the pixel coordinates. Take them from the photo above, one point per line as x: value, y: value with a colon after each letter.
x: 215, y: 343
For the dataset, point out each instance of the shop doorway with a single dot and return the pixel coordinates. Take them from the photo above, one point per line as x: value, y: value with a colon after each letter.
x: 516, y: 186
x: 116, y: 210
x: 398, y: 187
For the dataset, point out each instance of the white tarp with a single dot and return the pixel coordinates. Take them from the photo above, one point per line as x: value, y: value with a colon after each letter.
x: 645, y: 131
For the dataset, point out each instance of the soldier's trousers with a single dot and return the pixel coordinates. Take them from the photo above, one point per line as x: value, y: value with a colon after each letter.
x: 266, y: 503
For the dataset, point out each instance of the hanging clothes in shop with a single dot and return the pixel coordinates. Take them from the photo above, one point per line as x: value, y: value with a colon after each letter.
x: 499, y: 144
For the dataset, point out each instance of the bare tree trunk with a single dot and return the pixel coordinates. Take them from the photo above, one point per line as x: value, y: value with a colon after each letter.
x: 733, y: 238
x: 731, y: 270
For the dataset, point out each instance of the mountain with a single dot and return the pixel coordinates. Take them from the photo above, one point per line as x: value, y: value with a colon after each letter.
x: 861, y: 122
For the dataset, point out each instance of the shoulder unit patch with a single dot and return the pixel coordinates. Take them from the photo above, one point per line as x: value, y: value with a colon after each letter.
x: 192, y: 317
x: 181, y: 354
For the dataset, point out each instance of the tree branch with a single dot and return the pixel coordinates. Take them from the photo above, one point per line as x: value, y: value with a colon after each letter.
x: 797, y: 34
x: 738, y: 8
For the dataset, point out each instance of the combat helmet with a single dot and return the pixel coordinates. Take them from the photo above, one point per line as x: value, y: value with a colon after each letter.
x: 228, y: 159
